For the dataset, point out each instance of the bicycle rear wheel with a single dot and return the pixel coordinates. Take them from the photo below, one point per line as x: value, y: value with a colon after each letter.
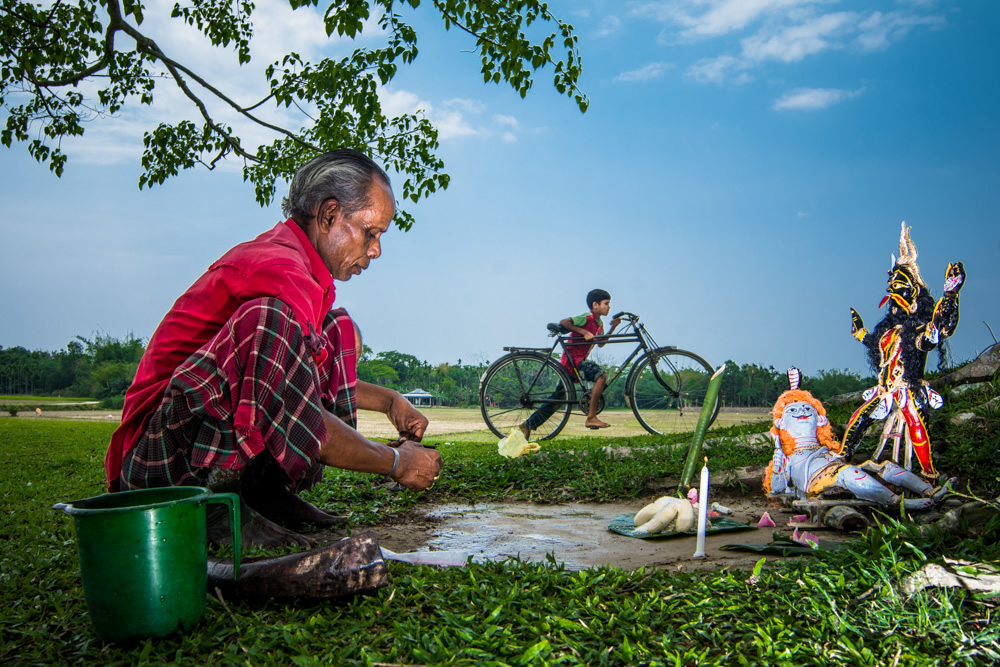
x: 517, y: 385
x: 667, y: 389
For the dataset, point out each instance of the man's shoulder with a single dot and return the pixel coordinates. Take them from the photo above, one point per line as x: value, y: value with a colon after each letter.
x: 272, y: 248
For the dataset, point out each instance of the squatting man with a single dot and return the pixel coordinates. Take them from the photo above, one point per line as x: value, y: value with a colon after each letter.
x: 249, y: 384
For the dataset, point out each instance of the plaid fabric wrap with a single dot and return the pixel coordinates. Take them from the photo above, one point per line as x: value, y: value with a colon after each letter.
x: 256, y: 387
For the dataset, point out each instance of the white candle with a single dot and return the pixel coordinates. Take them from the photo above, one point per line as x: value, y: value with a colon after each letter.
x: 699, y: 551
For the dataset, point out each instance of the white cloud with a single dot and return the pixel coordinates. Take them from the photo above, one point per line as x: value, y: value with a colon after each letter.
x: 609, y: 26
x: 794, y: 43
x: 398, y: 102
x: 451, y: 124
x: 509, y: 121
x: 812, y: 99
x: 716, y: 70
x: 450, y: 120
x: 711, y: 18
x: 785, y: 31
x: 878, y: 31
x: 645, y: 73
x: 467, y: 105
x: 509, y: 137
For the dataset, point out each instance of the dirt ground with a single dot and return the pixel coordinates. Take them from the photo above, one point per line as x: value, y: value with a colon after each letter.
x: 576, y: 533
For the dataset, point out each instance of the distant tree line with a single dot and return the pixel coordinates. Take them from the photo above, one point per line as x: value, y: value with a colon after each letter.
x: 751, y: 385
x: 452, y: 384
x: 103, y: 367
x: 100, y: 367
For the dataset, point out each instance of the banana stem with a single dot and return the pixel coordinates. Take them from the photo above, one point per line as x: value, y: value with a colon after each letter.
x: 694, y: 450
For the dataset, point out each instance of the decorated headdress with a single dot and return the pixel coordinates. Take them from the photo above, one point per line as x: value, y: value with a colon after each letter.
x: 907, y: 256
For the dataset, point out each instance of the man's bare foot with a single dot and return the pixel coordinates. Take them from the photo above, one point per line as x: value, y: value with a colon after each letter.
x: 596, y: 423
x: 283, y: 506
x: 256, y: 530
x: 525, y: 430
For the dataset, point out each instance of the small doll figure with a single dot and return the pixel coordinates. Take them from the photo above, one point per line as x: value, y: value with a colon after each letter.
x: 897, y: 351
x: 807, y: 459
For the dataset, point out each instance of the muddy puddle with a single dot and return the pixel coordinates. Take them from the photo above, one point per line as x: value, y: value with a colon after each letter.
x: 576, y: 534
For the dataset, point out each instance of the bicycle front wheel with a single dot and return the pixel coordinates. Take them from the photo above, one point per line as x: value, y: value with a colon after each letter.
x: 667, y: 390
x: 522, y: 385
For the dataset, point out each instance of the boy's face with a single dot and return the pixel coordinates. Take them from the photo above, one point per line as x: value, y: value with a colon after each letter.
x: 601, y: 307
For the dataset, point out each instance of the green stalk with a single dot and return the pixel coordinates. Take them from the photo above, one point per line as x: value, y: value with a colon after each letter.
x: 694, y: 450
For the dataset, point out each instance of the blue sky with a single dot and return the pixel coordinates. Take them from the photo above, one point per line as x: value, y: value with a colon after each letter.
x: 739, y: 181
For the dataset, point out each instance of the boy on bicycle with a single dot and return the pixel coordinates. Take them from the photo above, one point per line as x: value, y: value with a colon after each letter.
x: 574, y: 360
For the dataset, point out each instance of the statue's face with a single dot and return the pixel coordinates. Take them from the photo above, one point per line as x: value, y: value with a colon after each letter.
x: 800, y: 419
x: 902, y: 289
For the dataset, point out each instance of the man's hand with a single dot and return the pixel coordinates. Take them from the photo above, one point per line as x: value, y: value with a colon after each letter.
x: 410, y: 423
x: 419, y: 466
x: 587, y: 335
x: 615, y: 322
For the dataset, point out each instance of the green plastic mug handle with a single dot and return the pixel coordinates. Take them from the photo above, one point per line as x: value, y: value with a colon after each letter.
x: 233, y: 500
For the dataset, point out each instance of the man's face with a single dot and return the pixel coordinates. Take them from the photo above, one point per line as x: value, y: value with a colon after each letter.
x: 799, y: 419
x: 348, y: 244
x: 601, y: 308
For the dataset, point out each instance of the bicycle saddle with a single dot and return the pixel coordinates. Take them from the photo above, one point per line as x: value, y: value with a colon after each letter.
x: 555, y: 329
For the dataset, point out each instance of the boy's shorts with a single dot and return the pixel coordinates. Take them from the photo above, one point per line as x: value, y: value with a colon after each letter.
x: 589, y: 371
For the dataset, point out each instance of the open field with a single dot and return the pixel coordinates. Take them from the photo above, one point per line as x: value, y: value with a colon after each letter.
x: 446, y: 424
x: 9, y: 399
x: 466, y: 424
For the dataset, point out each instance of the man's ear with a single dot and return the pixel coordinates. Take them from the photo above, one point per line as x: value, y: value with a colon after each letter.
x: 779, y: 424
x: 822, y: 420
x: 327, y: 214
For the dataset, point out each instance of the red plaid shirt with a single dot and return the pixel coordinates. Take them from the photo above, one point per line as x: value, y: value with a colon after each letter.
x: 280, y: 263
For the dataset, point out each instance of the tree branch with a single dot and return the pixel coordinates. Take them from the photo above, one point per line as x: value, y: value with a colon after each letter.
x: 147, y: 45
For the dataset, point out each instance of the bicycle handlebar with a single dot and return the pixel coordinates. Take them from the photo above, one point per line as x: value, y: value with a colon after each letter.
x: 625, y: 315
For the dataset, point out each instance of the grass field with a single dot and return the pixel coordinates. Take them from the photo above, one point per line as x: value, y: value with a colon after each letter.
x: 842, y: 608
x: 9, y: 399
x: 845, y: 607
x: 446, y: 424
x: 466, y: 424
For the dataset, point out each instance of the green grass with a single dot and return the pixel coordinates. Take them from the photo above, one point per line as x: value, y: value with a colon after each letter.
x: 41, y: 400
x: 837, y: 608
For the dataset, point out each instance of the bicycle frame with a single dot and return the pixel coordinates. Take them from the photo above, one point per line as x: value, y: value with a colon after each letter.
x: 634, y: 332
x: 532, y: 387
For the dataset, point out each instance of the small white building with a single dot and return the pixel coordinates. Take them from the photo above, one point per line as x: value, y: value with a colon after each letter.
x: 422, y: 398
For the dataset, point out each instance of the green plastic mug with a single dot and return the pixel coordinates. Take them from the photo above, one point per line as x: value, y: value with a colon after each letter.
x: 144, y: 560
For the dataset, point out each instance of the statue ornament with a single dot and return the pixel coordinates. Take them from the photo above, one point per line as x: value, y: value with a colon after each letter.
x: 897, y: 351
x: 807, y: 459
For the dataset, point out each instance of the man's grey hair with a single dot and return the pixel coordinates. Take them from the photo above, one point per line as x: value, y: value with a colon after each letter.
x: 345, y: 175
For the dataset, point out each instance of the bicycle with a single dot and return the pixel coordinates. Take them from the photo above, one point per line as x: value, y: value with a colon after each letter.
x: 665, y: 387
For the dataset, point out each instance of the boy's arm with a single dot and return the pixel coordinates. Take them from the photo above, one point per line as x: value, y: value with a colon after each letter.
x: 568, y: 324
x: 614, y: 323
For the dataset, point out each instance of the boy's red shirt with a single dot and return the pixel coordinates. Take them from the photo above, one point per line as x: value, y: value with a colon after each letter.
x: 279, y: 263
x: 587, y: 322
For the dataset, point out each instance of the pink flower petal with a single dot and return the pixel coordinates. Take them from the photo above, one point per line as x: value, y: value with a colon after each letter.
x: 805, y: 538
x: 800, y: 518
x: 766, y: 521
